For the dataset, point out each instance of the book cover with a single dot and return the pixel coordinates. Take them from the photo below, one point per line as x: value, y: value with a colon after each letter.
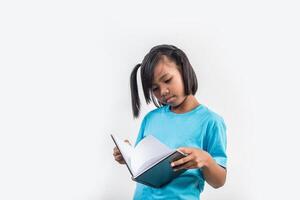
x: 149, y: 162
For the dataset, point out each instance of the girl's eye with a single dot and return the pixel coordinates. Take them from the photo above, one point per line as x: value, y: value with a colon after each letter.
x: 167, y: 81
x: 154, y: 89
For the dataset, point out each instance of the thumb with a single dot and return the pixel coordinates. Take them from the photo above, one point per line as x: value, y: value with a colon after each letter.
x: 127, y: 141
x: 185, y: 150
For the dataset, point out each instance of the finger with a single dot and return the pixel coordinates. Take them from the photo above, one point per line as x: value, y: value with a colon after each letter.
x: 121, y: 161
x: 127, y: 141
x: 116, y: 149
x: 182, y: 160
x: 116, y: 153
x: 188, y: 165
x: 119, y: 158
x: 185, y: 150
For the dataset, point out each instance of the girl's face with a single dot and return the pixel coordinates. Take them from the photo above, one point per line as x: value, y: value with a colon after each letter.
x: 168, y: 86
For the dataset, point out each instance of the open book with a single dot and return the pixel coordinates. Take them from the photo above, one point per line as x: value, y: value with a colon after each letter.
x: 149, y: 162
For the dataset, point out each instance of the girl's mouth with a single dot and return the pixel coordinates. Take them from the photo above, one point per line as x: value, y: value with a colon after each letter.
x: 168, y: 100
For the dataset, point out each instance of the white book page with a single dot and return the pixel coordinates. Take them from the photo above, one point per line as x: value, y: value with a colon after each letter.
x: 126, y: 150
x: 151, y: 162
x: 147, y: 151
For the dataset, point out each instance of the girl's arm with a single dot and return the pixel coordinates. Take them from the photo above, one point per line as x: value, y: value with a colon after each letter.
x: 214, y: 174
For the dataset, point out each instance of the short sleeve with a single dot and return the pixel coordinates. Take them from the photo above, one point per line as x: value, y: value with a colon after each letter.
x: 217, y: 141
x: 141, y: 131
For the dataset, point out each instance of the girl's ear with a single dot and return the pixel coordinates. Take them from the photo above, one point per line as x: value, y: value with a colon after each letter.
x: 135, y: 99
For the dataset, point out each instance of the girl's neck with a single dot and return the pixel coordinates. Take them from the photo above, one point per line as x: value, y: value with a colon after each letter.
x: 187, y: 105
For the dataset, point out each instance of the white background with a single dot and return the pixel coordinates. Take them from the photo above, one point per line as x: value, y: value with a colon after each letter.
x: 64, y: 87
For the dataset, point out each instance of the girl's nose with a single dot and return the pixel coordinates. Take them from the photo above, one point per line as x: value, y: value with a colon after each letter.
x: 164, y: 92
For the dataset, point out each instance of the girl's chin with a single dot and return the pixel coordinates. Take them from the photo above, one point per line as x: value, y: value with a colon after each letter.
x: 172, y: 103
x: 169, y: 103
x: 175, y: 103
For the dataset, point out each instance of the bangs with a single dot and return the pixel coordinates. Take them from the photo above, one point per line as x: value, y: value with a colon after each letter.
x: 147, y: 76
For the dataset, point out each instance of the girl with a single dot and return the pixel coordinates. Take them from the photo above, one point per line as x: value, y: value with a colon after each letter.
x: 179, y: 121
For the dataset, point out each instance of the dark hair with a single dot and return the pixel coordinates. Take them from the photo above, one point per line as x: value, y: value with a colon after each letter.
x: 147, y: 71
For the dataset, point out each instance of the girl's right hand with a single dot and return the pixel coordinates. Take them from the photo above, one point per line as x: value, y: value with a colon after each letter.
x: 118, y: 156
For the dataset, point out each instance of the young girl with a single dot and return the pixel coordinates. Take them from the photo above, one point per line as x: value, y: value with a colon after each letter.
x: 180, y: 122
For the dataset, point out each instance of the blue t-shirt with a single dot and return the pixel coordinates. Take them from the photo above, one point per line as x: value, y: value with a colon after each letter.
x: 200, y: 128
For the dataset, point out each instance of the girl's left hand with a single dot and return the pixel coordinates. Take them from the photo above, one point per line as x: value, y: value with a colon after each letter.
x: 196, y: 158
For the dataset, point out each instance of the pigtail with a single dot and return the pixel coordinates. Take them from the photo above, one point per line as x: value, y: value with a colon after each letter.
x: 135, y: 99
